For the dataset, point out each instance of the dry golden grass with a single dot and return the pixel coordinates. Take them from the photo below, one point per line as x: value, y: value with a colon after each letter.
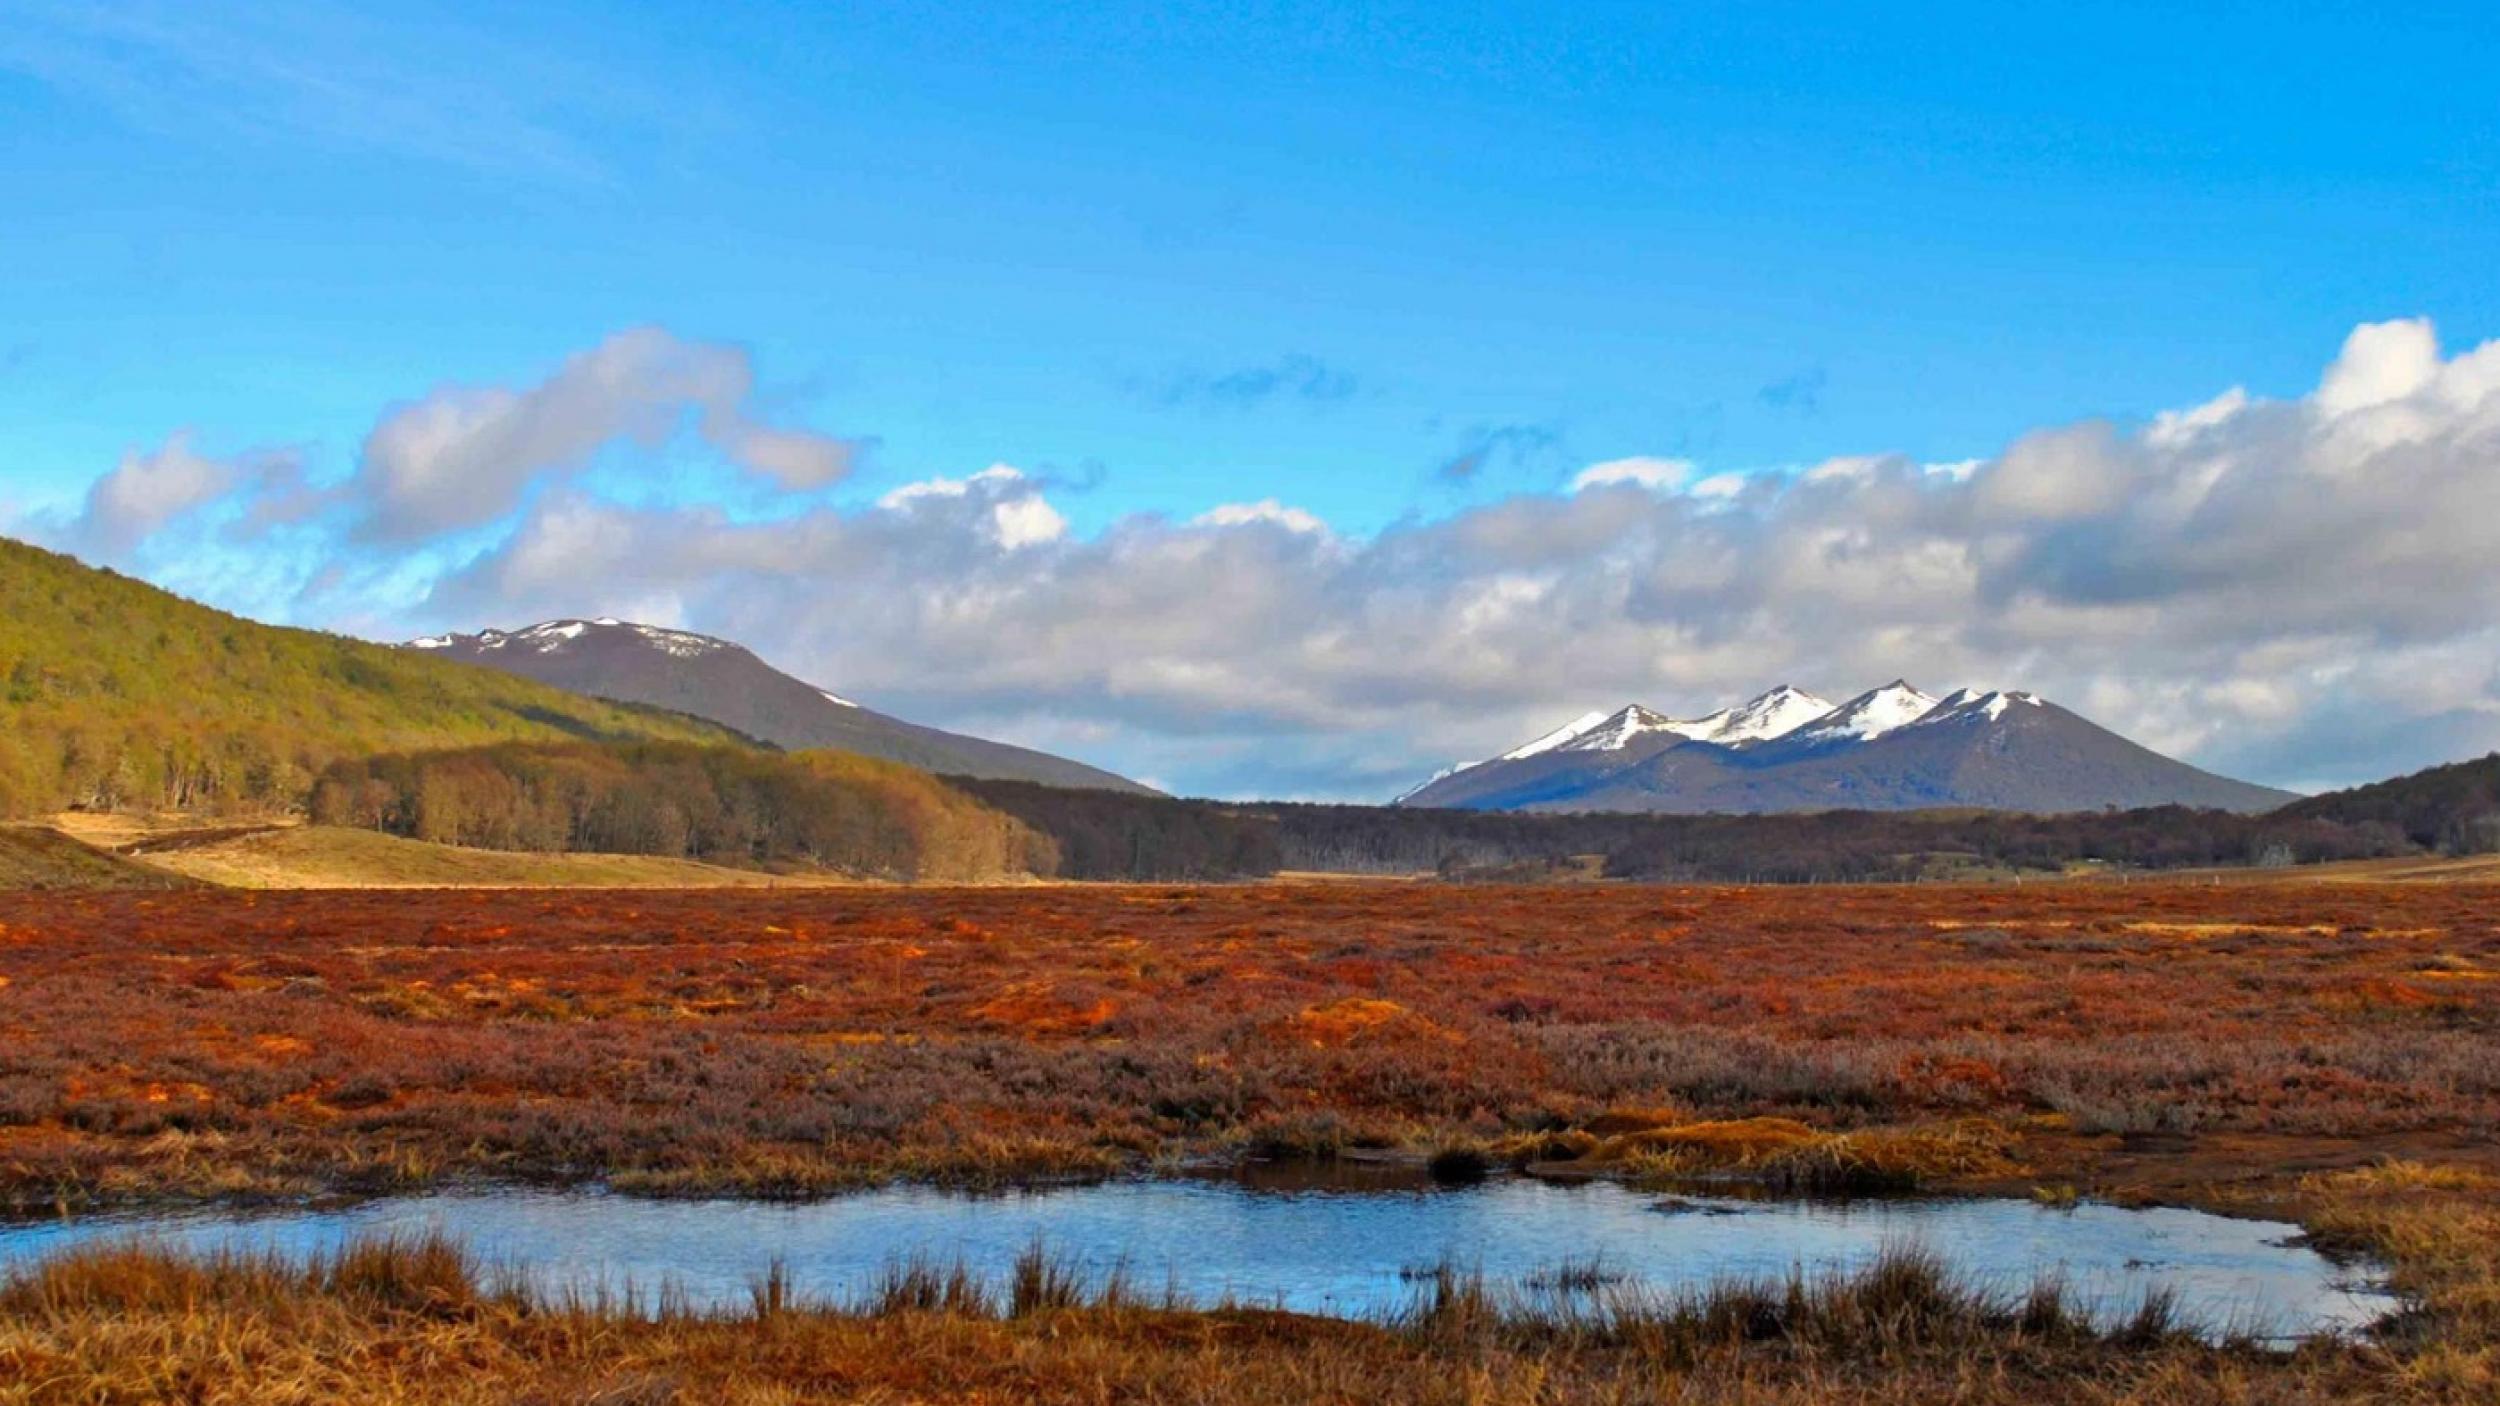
x: 331, y: 857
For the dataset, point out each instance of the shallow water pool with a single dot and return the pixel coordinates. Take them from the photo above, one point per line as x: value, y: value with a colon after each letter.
x: 1349, y: 1251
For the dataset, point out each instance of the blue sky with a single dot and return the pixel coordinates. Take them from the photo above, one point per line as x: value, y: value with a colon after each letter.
x: 1398, y: 268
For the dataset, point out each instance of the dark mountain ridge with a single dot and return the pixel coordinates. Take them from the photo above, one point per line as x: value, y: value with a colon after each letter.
x: 728, y: 683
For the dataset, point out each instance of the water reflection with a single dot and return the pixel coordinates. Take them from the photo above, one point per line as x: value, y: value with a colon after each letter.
x: 1346, y: 1244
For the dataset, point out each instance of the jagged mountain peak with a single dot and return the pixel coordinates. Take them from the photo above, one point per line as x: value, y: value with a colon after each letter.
x: 1970, y: 703
x: 549, y: 636
x: 1869, y: 715
x: 1889, y: 748
x: 1767, y: 715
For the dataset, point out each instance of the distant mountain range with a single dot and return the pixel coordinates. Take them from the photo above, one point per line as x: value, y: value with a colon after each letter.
x: 728, y: 684
x: 1890, y: 748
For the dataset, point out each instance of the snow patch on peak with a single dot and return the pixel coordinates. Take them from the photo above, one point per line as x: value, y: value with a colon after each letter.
x: 835, y: 698
x: 1622, y: 729
x: 552, y: 634
x: 1428, y: 783
x: 1870, y: 715
x: 1566, y: 733
x: 1971, y: 703
x: 679, y: 644
x: 1774, y: 714
x: 431, y: 642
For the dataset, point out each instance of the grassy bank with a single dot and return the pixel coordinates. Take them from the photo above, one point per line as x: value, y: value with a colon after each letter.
x: 334, y: 857
x: 34, y: 857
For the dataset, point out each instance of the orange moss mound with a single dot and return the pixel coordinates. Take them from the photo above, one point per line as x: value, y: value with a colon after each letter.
x: 1350, y: 1018
x: 1615, y: 1122
x: 1042, y: 1010
x: 1739, y: 1142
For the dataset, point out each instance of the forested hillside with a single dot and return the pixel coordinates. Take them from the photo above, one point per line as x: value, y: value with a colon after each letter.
x: 115, y: 694
x: 1124, y: 836
x: 2454, y: 809
x: 722, y: 805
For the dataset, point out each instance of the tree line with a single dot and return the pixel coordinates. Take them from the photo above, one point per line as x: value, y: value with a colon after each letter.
x: 722, y: 805
x: 2453, y: 809
x: 1104, y: 835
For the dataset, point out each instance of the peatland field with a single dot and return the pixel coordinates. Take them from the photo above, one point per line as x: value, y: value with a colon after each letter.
x: 2330, y: 1053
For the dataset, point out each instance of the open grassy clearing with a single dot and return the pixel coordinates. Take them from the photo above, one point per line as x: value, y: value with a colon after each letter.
x: 333, y: 857
x: 37, y: 857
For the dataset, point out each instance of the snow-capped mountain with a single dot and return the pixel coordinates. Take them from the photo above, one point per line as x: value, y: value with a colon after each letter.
x: 1563, y: 736
x: 1889, y: 748
x: 1774, y: 714
x: 725, y: 682
x: 1770, y: 715
x: 1868, y: 716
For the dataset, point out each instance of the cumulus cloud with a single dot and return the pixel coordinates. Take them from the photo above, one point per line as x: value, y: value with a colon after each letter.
x: 151, y: 490
x: 2302, y: 590
x: 1642, y: 472
x: 466, y: 455
x: 2247, y: 581
x: 1267, y: 510
x: 1000, y: 502
x: 147, y: 490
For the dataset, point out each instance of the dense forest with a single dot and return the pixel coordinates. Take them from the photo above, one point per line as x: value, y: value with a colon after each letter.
x: 723, y: 805
x: 117, y: 695
x: 2452, y: 809
x: 1122, y: 835
x: 1105, y: 836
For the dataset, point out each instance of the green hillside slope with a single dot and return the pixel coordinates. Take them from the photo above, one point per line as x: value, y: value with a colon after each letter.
x: 115, y: 694
x: 2454, y: 809
x: 36, y: 858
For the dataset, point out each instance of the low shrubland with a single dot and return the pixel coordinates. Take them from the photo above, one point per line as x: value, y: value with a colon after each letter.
x: 796, y: 1042
x: 2318, y: 1052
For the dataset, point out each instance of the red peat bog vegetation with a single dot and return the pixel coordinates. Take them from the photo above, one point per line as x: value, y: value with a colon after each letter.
x: 2127, y: 1039
x: 2320, y: 1051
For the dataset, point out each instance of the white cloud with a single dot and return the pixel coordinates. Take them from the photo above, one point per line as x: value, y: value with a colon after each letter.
x: 1007, y: 505
x: 2297, y: 590
x: 2257, y: 581
x: 2173, y: 428
x: 2381, y: 361
x: 1267, y: 510
x: 147, y: 491
x: 1657, y: 475
x: 466, y: 455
